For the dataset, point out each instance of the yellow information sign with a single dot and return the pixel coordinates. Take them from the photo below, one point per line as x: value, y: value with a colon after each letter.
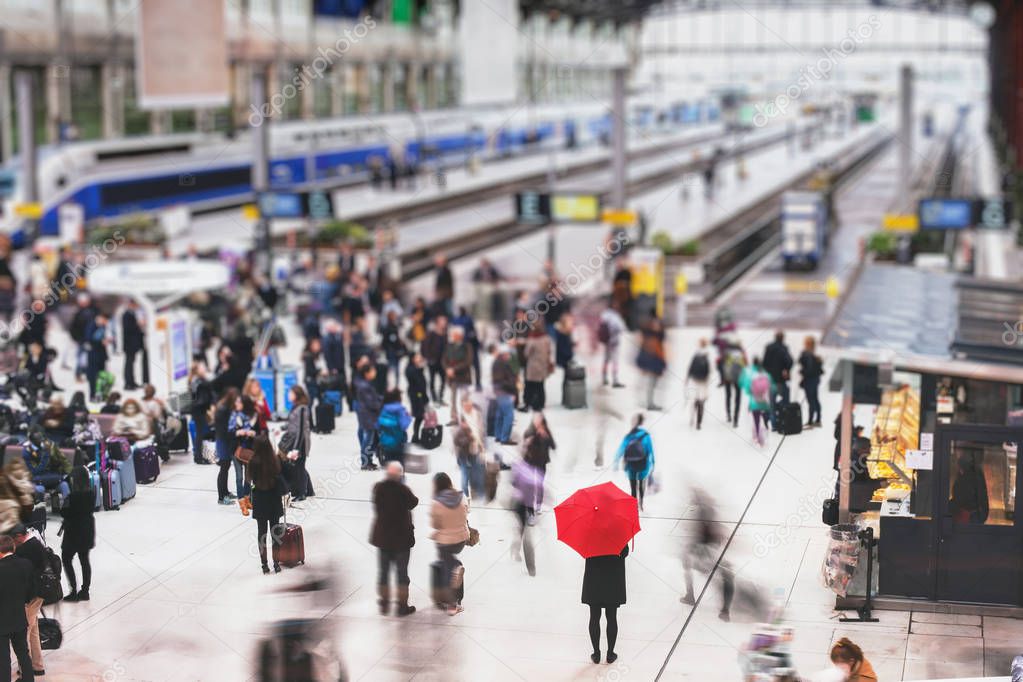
x: 575, y: 208
x: 620, y: 217
x: 901, y: 222
x: 32, y: 210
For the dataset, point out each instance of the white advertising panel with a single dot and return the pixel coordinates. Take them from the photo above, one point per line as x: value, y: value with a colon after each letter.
x: 488, y: 45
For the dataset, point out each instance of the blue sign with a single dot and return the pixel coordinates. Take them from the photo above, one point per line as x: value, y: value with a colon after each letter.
x: 946, y: 214
x: 179, y: 349
x: 281, y: 205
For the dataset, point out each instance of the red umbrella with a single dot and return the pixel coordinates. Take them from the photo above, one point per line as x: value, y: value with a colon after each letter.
x: 597, y: 520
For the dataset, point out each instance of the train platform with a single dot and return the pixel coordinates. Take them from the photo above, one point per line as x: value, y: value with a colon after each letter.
x: 176, y: 576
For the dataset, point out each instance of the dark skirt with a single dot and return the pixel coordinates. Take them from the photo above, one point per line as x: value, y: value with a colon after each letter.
x: 604, y: 580
x: 653, y: 364
x: 267, y: 505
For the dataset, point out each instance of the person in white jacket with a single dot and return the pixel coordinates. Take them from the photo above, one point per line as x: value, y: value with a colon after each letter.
x: 609, y: 332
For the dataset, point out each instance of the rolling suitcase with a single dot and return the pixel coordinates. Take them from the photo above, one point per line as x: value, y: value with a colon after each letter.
x: 790, y: 418
x: 334, y: 399
x: 829, y: 512
x: 574, y: 397
x: 323, y: 418
x: 94, y: 482
x: 147, y: 464
x: 126, y: 468
x: 416, y: 461
x: 288, y: 542
x: 37, y: 519
x: 110, y: 480
x: 430, y: 437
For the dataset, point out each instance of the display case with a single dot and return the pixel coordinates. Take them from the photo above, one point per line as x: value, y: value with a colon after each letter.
x: 896, y: 429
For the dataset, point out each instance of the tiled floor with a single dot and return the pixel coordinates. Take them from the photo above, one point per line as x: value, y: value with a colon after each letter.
x: 178, y: 594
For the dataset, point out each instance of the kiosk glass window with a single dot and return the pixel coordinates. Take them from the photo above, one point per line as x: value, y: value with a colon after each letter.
x: 982, y: 483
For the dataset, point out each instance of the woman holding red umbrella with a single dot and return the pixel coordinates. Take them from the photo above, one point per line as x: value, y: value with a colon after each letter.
x: 604, y: 588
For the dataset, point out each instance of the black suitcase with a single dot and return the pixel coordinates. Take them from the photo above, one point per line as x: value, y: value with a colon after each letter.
x: 380, y: 382
x: 574, y: 397
x: 790, y: 418
x: 829, y: 512
x: 179, y: 442
x: 431, y: 438
x: 323, y: 418
x: 575, y: 372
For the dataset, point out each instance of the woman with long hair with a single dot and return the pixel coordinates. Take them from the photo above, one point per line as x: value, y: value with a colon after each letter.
x: 78, y: 535
x: 243, y: 427
x: 254, y: 390
x: 225, y: 442
x: 295, y: 442
x: 264, y: 476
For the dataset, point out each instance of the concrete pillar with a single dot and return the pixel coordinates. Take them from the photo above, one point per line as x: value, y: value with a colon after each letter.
x: 362, y: 85
x: 431, y: 87
x: 58, y: 98
x: 387, y: 78
x: 905, y: 128
x: 6, y: 117
x: 337, y: 90
x: 618, y: 115
x: 112, y: 85
x: 308, y: 95
x: 413, y: 96
x: 241, y: 75
x: 160, y: 122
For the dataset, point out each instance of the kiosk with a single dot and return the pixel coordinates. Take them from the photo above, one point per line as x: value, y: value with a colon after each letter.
x: 157, y: 286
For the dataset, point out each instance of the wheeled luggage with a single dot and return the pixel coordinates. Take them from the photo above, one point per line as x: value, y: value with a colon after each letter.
x: 575, y: 394
x: 417, y: 461
x: 335, y: 400
x: 575, y: 372
x: 147, y: 464
x: 323, y: 418
x: 790, y: 418
x: 430, y: 437
x: 829, y: 512
x: 288, y: 542
x: 110, y: 480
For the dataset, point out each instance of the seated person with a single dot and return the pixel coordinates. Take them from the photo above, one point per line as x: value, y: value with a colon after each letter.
x: 132, y: 423
x: 154, y: 408
x: 57, y: 420
x: 112, y: 405
x: 86, y: 430
x: 44, y: 461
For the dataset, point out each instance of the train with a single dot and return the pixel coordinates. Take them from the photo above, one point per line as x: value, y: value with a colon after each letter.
x: 209, y: 172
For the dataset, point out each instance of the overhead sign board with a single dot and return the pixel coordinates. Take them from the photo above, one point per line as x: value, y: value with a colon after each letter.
x: 994, y: 213
x: 620, y: 217
x: 901, y: 222
x: 945, y: 214
x: 540, y: 208
x: 533, y: 208
x: 315, y: 205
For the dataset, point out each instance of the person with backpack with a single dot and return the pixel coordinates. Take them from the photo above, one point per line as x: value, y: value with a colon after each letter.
x: 697, y: 379
x: 392, y: 427
x: 29, y: 546
x: 418, y: 396
x: 79, y: 533
x: 811, y: 368
x: 368, y: 403
x: 637, y: 455
x: 778, y: 363
x: 652, y: 359
x: 609, y: 333
x: 733, y: 363
x: 226, y: 442
x: 759, y: 387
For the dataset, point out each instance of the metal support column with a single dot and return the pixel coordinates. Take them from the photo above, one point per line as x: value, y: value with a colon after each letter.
x: 905, y: 128
x: 845, y: 447
x: 618, y: 139
x: 260, y: 172
x: 6, y: 117
x: 27, y: 150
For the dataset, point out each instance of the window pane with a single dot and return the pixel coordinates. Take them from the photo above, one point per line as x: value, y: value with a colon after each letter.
x: 982, y: 483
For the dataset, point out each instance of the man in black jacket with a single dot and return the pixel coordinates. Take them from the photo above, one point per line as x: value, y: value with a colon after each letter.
x: 31, y: 548
x: 393, y: 536
x: 777, y: 363
x: 134, y: 340
x: 16, y: 591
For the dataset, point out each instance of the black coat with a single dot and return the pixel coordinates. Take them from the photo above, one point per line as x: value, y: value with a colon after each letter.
x: 393, y: 502
x: 604, y: 579
x: 416, y: 389
x: 16, y: 590
x: 133, y: 336
x: 334, y: 353
x: 777, y: 360
x: 79, y: 523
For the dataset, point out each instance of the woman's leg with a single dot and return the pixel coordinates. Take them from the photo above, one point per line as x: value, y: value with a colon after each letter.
x: 225, y: 466
x: 641, y: 488
x: 262, y: 526
x: 633, y: 484
x: 611, y: 613
x: 595, y: 631
x: 416, y: 426
x: 240, y: 486
x: 541, y: 395
x: 728, y: 401
x: 699, y: 413
x: 66, y: 557
x: 83, y: 559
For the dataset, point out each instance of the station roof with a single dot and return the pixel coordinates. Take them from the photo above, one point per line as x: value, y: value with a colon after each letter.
x: 931, y: 322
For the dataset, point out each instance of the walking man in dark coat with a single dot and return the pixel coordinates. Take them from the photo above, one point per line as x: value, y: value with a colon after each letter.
x: 134, y: 343
x: 393, y: 536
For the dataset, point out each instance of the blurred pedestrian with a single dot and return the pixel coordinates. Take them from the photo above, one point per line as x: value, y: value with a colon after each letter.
x: 468, y: 325
x: 392, y: 428
x: 225, y: 443
x: 850, y: 659
x: 29, y: 546
x: 368, y: 403
x: 610, y: 331
x: 458, y: 368
x: 539, y: 365
x: 263, y: 474
x: 79, y: 533
x: 392, y: 345
x: 201, y: 392
x: 418, y: 397
x: 759, y: 388
x: 393, y: 536
x: 732, y: 365
x: 778, y: 364
x: 133, y: 340
x: 505, y: 385
x: 537, y: 442
x: 702, y: 553
x: 16, y: 591
x: 637, y: 455
x: 313, y: 367
x: 469, y: 440
x: 527, y: 483
x: 96, y: 352
x: 652, y: 359
x: 296, y: 443
x: 697, y: 380
x: 449, y: 518
x: 811, y: 368
x: 444, y: 283
x: 604, y: 590
x: 244, y: 426
x: 433, y: 348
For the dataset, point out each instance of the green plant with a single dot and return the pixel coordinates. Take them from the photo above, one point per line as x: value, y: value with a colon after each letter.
x: 690, y: 247
x: 338, y: 231
x: 662, y: 240
x: 882, y: 244
x: 136, y: 228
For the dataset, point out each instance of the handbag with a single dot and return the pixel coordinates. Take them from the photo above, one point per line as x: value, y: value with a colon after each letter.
x: 474, y: 537
x: 243, y: 455
x: 50, y: 634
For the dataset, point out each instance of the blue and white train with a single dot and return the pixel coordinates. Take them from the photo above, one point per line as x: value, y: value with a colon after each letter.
x: 212, y: 171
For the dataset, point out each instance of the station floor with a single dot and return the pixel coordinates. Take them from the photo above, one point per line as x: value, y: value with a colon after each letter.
x: 178, y: 594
